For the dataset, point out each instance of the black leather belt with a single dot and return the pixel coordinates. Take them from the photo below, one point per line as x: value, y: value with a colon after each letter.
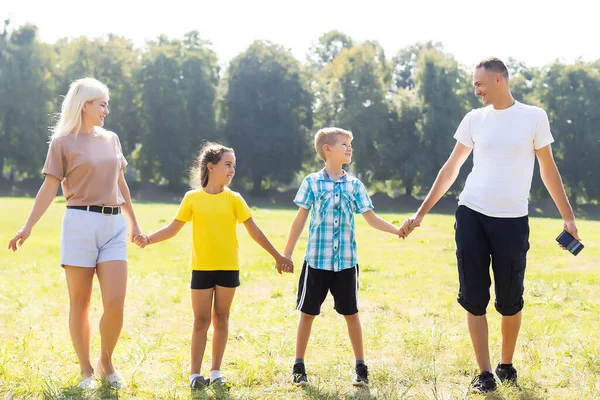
x: 105, y: 210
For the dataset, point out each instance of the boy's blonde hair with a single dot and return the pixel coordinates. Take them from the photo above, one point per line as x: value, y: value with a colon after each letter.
x: 329, y: 136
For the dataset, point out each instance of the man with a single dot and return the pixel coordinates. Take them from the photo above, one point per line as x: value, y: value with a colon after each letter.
x: 491, y: 221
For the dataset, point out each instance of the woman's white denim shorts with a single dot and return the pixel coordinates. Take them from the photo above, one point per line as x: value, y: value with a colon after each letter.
x: 89, y: 238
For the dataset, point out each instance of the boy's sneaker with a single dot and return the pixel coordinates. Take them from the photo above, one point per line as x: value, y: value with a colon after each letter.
x: 484, y: 383
x: 199, y: 383
x: 507, y: 375
x: 221, y: 383
x: 299, y: 375
x: 362, y: 376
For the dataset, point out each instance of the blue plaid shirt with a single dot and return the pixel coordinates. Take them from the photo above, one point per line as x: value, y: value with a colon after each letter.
x: 331, y: 235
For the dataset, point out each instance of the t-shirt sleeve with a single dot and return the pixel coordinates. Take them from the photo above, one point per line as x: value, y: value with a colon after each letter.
x: 120, y: 153
x: 184, y: 213
x: 305, y: 196
x: 242, y: 211
x: 463, y: 133
x: 362, y: 200
x: 543, y: 136
x: 55, y: 162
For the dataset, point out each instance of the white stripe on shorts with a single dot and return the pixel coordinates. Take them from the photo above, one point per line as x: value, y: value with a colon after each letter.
x: 301, y: 302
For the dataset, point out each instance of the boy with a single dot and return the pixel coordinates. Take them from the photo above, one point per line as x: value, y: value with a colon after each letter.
x: 330, y: 263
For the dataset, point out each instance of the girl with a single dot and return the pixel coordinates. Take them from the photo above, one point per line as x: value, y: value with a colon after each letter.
x: 214, y: 211
x: 88, y: 162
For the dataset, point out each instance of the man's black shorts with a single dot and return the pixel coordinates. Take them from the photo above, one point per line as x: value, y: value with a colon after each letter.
x: 503, y: 241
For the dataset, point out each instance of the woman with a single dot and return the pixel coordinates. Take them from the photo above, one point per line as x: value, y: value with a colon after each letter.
x: 88, y: 162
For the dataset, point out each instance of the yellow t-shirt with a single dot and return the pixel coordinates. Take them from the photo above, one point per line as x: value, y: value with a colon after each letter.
x: 214, y: 218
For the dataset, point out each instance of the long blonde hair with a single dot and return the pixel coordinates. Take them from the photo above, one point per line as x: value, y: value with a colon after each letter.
x: 80, y: 92
x: 210, y: 153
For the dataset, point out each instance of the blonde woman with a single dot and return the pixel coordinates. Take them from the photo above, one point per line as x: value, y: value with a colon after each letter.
x: 88, y: 162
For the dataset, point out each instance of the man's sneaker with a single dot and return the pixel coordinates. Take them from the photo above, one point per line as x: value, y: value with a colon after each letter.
x: 507, y: 375
x: 299, y: 375
x: 484, y: 383
x: 199, y: 383
x: 362, y: 375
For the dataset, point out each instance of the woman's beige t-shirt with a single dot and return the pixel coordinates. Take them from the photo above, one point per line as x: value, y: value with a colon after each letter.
x: 88, y: 166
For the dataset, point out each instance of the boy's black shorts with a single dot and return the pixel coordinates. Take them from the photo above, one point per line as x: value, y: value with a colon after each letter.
x: 315, y: 283
x: 503, y: 241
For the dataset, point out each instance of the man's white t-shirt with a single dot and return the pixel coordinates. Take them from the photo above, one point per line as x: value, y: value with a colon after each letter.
x: 504, y: 144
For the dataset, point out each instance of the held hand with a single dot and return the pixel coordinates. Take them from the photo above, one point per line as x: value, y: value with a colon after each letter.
x: 409, y: 225
x: 570, y: 227
x: 284, y: 264
x: 18, y: 240
x: 141, y: 240
x: 135, y: 231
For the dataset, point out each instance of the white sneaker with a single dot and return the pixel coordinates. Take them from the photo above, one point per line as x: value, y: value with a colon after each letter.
x: 89, y: 382
x: 114, y: 380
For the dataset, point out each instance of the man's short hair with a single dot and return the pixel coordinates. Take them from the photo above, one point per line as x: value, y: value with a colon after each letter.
x: 495, y: 65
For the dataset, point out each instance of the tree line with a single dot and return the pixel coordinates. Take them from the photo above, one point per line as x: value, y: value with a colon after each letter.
x: 171, y: 95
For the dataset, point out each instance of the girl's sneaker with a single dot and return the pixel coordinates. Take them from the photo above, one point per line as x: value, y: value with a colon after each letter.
x: 199, y: 382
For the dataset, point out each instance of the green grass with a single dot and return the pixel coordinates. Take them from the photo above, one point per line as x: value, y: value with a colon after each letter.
x: 415, y: 333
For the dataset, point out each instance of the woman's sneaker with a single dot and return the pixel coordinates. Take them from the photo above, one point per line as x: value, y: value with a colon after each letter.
x: 484, y: 383
x: 362, y: 375
x: 88, y: 383
x: 299, y: 375
x: 507, y: 374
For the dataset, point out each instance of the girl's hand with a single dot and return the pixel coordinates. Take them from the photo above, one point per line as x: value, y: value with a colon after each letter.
x: 141, y: 240
x: 283, y: 264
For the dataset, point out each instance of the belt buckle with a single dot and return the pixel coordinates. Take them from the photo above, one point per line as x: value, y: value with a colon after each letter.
x: 109, y: 213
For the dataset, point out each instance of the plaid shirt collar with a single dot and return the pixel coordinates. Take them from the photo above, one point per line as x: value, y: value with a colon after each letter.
x: 324, y: 176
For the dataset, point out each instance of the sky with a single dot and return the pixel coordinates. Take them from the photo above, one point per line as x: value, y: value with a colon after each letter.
x: 527, y: 30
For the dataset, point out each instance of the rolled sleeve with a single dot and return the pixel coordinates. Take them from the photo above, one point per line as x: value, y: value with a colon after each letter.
x: 305, y: 196
x: 362, y: 199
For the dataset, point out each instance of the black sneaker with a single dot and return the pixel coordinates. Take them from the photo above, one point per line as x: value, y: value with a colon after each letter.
x: 299, y: 374
x: 199, y: 383
x: 484, y: 383
x: 507, y: 375
x: 362, y: 376
x: 221, y: 383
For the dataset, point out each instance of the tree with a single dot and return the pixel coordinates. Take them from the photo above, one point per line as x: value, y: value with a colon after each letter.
x: 266, y: 111
x: 328, y: 47
x: 400, y: 148
x: 437, y: 81
x: 179, y: 82
x: 569, y: 93
x: 26, y: 84
x: 350, y: 94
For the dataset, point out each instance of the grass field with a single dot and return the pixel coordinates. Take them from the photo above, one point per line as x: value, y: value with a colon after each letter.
x: 415, y: 333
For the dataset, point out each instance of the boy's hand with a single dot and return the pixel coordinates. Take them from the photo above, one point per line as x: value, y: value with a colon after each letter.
x: 284, y: 264
x: 409, y: 225
x: 141, y: 240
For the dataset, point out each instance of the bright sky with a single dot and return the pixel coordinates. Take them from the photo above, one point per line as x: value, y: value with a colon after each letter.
x: 528, y: 30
